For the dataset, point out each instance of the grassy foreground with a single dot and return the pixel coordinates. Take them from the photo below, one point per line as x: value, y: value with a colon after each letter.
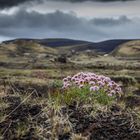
x: 67, y: 115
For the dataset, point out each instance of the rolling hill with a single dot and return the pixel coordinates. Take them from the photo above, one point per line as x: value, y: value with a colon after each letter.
x: 61, y: 45
x: 104, y: 46
x: 131, y: 48
x: 21, y: 47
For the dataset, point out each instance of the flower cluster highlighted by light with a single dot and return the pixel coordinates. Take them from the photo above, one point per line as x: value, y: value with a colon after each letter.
x: 95, y: 83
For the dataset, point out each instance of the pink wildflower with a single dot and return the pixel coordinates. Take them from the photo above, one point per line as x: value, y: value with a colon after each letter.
x: 101, y: 83
x: 110, y: 95
x: 65, y: 79
x: 92, y: 83
x: 94, y: 88
x: 112, y: 92
x: 95, y: 81
x: 68, y: 77
x: 81, y: 86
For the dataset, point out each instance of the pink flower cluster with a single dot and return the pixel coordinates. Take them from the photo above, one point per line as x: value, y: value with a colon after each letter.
x: 95, y: 83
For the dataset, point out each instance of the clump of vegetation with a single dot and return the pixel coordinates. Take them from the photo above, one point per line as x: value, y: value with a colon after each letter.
x: 89, y: 87
x: 61, y: 59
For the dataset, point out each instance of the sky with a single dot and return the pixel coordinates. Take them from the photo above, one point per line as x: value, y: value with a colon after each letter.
x: 91, y: 20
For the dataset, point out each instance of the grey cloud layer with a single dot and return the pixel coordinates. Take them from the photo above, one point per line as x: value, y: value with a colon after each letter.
x: 11, y: 3
x: 59, y: 24
x: 122, y: 20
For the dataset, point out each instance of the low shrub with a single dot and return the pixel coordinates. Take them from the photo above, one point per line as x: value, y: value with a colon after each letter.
x: 89, y: 87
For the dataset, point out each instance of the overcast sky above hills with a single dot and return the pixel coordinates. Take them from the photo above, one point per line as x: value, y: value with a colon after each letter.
x: 92, y: 20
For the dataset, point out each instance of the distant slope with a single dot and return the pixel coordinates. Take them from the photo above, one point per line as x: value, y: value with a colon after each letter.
x: 54, y: 45
x: 109, y: 45
x: 15, y: 48
x: 52, y: 42
x: 61, y: 42
x: 131, y: 48
x: 104, y: 46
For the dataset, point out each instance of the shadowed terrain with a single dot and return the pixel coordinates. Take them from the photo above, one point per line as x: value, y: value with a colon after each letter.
x: 31, y: 73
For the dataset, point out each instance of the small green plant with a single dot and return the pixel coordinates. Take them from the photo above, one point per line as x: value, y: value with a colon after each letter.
x: 83, y: 96
x: 88, y: 87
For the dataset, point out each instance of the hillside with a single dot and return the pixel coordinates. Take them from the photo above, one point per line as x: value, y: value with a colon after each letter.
x: 52, y: 42
x: 61, y: 42
x: 131, y: 48
x: 16, y: 48
x: 61, y: 45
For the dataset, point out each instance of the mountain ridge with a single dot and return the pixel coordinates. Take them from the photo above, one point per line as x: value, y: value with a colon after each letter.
x: 64, y: 44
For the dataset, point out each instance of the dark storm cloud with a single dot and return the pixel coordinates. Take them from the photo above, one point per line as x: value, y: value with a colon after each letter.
x: 59, y: 24
x: 94, y: 0
x: 55, y: 20
x: 33, y: 19
x: 11, y: 3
